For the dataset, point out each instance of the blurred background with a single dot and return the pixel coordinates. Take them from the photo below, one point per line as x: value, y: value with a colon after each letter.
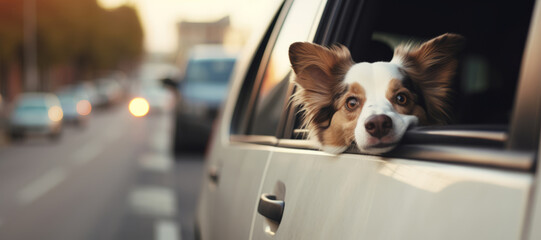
x: 105, y: 111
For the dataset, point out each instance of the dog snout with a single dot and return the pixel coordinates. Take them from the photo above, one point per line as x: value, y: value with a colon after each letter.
x: 378, y: 125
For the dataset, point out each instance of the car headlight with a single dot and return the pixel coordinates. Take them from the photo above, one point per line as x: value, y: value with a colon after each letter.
x: 139, y: 107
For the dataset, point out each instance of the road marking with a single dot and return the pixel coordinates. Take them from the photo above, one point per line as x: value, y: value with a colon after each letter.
x: 160, y: 141
x: 161, y: 138
x: 42, y: 185
x: 166, y: 230
x: 156, y: 162
x: 113, y: 133
x: 154, y: 201
x: 87, y: 153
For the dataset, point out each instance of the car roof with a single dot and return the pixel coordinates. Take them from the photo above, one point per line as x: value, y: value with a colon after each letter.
x: 48, y: 98
x: 212, y: 51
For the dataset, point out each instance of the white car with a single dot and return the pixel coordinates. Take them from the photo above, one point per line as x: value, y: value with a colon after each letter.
x: 477, y: 178
x: 36, y: 113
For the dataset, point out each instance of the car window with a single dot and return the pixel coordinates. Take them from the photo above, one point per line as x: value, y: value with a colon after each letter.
x: 210, y: 71
x: 487, y: 76
x: 32, y: 102
x: 31, y: 108
x: 271, y: 97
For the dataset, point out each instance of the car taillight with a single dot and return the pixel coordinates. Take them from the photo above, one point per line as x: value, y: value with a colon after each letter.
x: 83, y: 107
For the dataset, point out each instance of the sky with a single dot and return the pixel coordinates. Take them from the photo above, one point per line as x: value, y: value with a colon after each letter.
x: 159, y: 17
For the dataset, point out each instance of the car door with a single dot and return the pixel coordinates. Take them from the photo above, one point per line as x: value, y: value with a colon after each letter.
x: 234, y: 171
x: 470, y: 180
x: 239, y: 153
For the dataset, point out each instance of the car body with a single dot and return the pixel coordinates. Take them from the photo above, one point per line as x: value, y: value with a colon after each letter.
x: 75, y: 105
x: 201, y: 93
x: 149, y: 86
x: 36, y: 113
x: 109, y: 91
x: 477, y: 178
x: 159, y: 99
x: 88, y: 90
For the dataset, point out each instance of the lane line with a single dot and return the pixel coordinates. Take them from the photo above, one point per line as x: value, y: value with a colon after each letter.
x: 160, y: 141
x: 113, y: 133
x: 154, y: 201
x: 87, y: 153
x: 166, y: 230
x: 156, y: 162
x: 92, y: 150
x: 42, y: 185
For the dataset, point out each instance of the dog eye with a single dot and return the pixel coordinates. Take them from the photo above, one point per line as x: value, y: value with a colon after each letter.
x: 352, y: 103
x: 401, y: 99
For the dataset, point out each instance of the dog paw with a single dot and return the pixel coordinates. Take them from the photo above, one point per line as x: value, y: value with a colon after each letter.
x: 334, y: 149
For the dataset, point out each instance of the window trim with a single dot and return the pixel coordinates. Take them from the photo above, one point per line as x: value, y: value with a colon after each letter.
x: 524, y: 130
x: 244, y: 122
x: 485, y: 157
x: 260, y: 75
x: 240, y: 124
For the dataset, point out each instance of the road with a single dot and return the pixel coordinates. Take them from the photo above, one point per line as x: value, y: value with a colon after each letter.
x: 112, y: 179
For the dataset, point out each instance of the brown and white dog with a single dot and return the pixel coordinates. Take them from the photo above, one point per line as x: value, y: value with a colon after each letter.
x: 373, y: 104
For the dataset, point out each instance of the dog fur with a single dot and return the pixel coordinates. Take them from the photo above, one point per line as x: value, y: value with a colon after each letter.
x: 373, y: 104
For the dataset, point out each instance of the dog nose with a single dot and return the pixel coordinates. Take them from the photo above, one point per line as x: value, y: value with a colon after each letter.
x: 378, y: 125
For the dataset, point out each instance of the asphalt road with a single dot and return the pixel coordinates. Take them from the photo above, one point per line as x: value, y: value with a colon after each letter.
x: 113, y: 179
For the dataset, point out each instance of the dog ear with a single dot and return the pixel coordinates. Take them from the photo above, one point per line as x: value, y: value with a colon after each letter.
x: 319, y: 73
x: 431, y: 66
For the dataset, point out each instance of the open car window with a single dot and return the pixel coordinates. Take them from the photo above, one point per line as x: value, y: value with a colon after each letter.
x: 485, y: 85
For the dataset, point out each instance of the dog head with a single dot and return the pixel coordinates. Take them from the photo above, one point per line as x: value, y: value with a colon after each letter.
x: 373, y: 104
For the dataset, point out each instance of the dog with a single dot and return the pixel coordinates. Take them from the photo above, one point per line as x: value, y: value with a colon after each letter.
x: 371, y: 105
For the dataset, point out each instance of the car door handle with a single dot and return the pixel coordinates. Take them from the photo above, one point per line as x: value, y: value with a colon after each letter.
x: 270, y: 207
x: 213, y: 174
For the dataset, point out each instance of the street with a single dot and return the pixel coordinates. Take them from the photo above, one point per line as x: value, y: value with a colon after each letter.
x: 114, y: 178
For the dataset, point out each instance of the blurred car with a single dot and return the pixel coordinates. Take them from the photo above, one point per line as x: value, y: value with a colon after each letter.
x: 477, y: 178
x: 36, y: 113
x: 159, y: 99
x: 75, y: 105
x: 149, y: 87
x: 88, y: 90
x: 109, y: 91
x: 202, y: 91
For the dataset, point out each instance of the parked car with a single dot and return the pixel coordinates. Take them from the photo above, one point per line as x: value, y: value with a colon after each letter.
x: 201, y: 92
x: 36, y: 113
x: 89, y: 90
x: 477, y: 178
x: 109, y: 91
x: 159, y: 99
x: 75, y: 105
x: 149, y: 86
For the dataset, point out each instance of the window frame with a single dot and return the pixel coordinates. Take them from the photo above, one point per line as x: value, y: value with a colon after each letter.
x: 514, y: 149
x: 241, y: 121
x: 244, y: 105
